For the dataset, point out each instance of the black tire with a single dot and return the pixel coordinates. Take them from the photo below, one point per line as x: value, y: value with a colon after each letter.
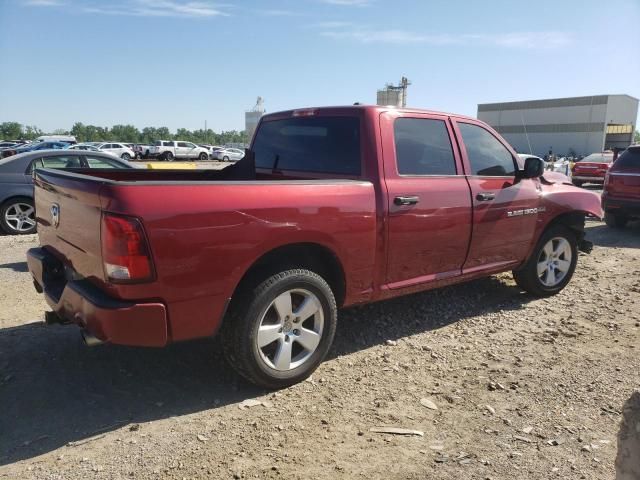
x: 240, y: 330
x: 527, y: 277
x: 203, y: 156
x: 577, y: 183
x: 225, y: 159
x: 615, y: 221
x: 8, y: 227
x: 168, y: 157
x: 126, y: 157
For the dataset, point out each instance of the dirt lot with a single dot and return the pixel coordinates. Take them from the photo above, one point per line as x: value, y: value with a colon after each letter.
x: 522, y: 388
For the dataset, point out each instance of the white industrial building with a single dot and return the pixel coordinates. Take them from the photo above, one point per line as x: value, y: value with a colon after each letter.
x: 564, y: 126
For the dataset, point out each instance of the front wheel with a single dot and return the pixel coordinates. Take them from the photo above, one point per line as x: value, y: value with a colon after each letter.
x: 126, y: 157
x: 280, y: 331
x: 225, y: 159
x: 18, y: 216
x: 552, y: 263
x: 577, y: 183
x: 204, y: 156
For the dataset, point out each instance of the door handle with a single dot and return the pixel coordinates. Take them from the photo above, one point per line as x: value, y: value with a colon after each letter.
x: 406, y: 200
x: 485, y: 196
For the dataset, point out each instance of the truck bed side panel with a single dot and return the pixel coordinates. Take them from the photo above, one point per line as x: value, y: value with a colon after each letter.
x: 205, y: 236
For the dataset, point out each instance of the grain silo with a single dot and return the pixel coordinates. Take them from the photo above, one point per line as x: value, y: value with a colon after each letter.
x: 252, y: 117
x: 395, y: 95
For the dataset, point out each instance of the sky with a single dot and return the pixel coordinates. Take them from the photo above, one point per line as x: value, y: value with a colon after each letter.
x: 179, y: 63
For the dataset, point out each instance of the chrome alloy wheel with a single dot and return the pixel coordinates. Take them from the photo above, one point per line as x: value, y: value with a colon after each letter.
x: 290, y: 329
x: 21, y: 217
x: 554, y: 261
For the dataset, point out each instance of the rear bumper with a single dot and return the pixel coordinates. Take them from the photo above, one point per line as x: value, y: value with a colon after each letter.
x: 80, y: 302
x: 621, y: 206
x: 586, y: 178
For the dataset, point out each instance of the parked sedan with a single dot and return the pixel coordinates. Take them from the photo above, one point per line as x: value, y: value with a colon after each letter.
x: 30, y: 147
x: 592, y: 168
x: 228, y: 155
x: 117, y: 149
x: 17, y: 214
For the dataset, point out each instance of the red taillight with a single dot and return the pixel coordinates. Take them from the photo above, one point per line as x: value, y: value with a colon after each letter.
x: 125, y: 252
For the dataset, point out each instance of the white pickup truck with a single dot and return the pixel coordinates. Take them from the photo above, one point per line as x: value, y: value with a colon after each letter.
x: 169, y: 150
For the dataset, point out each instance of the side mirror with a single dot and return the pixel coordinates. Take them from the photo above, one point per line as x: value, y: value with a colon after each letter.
x: 533, y: 168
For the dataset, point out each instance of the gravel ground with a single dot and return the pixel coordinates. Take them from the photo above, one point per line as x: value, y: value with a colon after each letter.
x: 500, y: 385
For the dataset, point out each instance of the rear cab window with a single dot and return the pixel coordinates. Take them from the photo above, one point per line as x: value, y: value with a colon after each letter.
x: 322, y: 144
x: 630, y: 158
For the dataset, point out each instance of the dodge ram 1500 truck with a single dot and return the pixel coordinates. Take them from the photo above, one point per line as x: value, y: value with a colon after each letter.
x: 331, y: 207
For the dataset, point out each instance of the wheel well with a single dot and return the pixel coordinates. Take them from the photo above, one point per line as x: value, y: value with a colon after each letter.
x: 572, y: 220
x: 16, y: 197
x: 310, y: 256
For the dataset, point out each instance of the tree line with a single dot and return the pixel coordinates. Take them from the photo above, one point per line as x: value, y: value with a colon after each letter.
x: 123, y: 133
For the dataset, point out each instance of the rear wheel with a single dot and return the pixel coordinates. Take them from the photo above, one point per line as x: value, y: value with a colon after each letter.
x: 615, y: 221
x: 203, y: 156
x: 168, y: 156
x: 552, y: 263
x: 280, y: 331
x: 126, y: 157
x: 18, y: 216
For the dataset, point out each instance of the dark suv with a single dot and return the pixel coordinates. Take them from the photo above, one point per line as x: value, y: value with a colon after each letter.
x: 621, y: 194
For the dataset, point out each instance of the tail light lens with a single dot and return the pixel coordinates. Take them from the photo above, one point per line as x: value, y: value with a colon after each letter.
x: 125, y: 251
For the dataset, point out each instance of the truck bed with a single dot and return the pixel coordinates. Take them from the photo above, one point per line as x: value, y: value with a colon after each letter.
x: 204, y: 233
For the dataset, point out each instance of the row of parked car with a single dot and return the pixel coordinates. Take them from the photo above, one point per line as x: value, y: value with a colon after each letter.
x: 18, y: 159
x: 167, y: 150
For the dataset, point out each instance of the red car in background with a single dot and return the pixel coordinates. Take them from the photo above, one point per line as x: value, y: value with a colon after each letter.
x: 621, y: 194
x: 592, y: 168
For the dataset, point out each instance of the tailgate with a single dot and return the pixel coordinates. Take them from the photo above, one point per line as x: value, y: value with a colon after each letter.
x: 68, y: 216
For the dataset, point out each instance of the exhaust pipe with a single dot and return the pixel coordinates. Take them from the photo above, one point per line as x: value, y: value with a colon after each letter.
x: 90, y: 340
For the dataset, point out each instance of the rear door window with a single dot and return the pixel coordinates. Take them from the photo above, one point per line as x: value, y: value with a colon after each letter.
x: 423, y: 147
x: 99, y: 162
x: 310, y: 144
x: 487, y: 156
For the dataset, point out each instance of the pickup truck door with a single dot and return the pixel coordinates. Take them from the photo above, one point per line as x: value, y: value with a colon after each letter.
x: 505, y: 208
x: 182, y: 150
x: 429, y: 202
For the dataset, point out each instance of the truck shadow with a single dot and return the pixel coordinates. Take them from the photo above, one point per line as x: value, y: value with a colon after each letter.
x: 55, y: 391
x: 603, y: 236
x: 16, y: 266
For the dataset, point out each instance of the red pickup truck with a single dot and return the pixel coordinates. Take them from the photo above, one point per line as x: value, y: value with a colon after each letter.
x: 330, y: 207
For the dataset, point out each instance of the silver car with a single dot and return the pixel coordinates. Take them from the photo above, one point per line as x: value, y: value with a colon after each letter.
x: 228, y: 155
x: 17, y: 210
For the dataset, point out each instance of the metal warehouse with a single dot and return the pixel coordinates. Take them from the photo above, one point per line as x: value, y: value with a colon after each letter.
x: 564, y: 126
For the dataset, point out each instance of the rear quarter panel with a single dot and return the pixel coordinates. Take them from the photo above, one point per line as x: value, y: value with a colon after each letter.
x: 14, y: 185
x: 205, y: 236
